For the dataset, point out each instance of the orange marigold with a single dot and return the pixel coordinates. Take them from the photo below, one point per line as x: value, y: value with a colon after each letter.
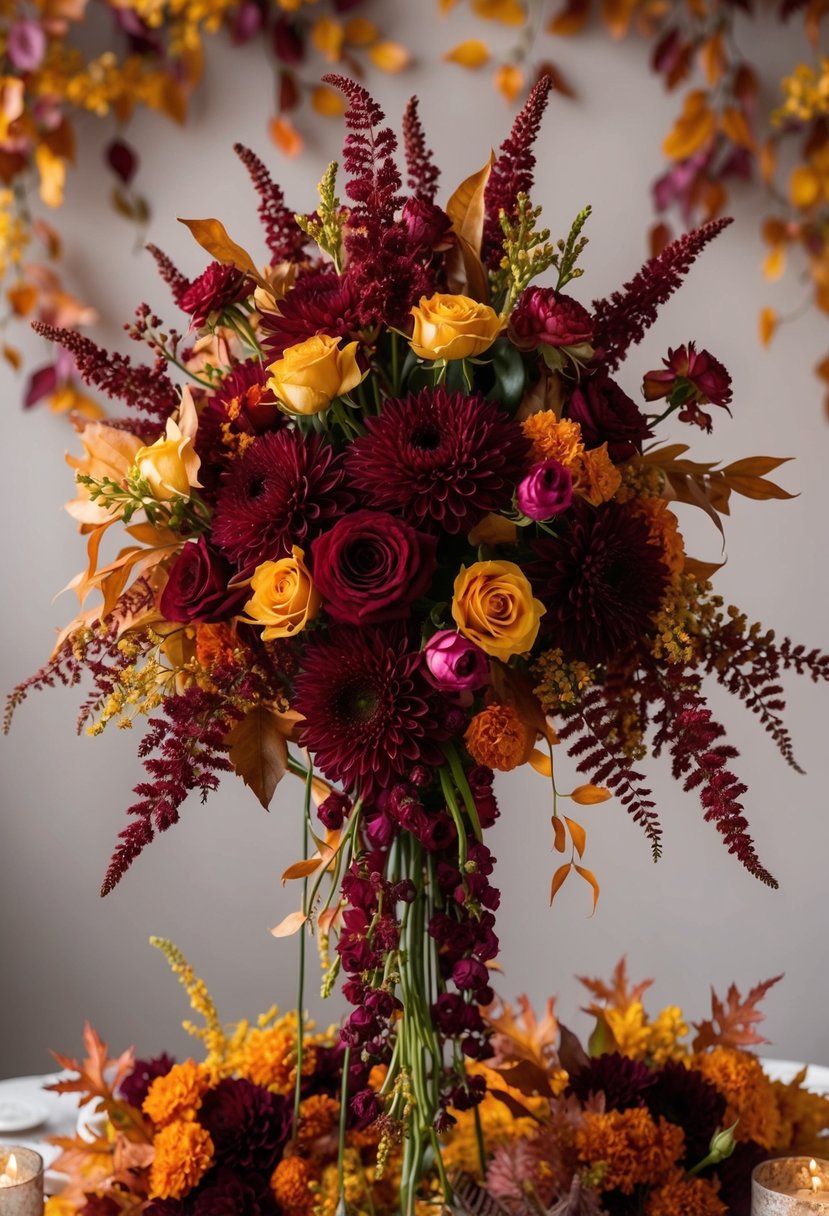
x: 663, y: 530
x: 318, y: 1115
x: 632, y: 1148
x: 183, y: 1155
x: 750, y: 1095
x: 681, y: 1196
x: 177, y: 1095
x: 499, y: 739
x: 595, y: 476
x: 554, y: 438
x: 269, y: 1058
x: 215, y: 644
x: 804, y: 1119
x: 291, y: 1184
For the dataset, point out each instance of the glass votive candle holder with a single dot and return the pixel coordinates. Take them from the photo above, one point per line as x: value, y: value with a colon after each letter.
x: 790, y: 1186
x: 21, y: 1182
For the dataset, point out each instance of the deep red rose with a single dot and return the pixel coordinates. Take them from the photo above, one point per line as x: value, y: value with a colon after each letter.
x: 546, y: 317
x: 213, y: 291
x: 371, y: 567
x: 691, y: 379
x: 429, y: 226
x: 197, y: 587
x: 606, y: 414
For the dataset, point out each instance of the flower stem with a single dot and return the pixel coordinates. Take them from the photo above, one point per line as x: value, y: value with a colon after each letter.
x: 300, y: 1002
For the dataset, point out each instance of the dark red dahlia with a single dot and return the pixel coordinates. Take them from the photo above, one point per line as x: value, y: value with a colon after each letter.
x: 683, y: 1096
x: 544, y: 317
x: 228, y: 1194
x: 370, y: 713
x: 601, y: 582
x: 606, y: 414
x: 623, y: 1081
x: 285, y: 489
x: 247, y: 1123
x: 213, y: 291
x: 135, y: 1086
x: 320, y: 303
x: 443, y: 460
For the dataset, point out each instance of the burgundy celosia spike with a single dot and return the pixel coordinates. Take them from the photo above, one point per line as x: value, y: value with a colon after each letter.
x: 622, y: 318
x: 512, y: 173
x: 423, y: 172
x: 284, y: 238
x: 170, y: 273
x: 368, y: 154
x: 144, y: 388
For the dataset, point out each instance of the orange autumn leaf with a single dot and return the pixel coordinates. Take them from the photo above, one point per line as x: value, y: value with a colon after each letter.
x: 590, y: 878
x: 291, y: 924
x: 12, y: 356
x: 258, y: 751
x: 328, y: 37
x: 618, y: 993
x: 804, y: 187
x: 577, y: 835
x: 660, y: 236
x: 541, y: 762
x: 389, y: 56
x: 327, y: 101
x: 559, y: 879
x: 774, y: 263
x: 507, y: 12
x: 213, y: 236
x: 733, y: 1021
x: 472, y: 54
x: 713, y: 58
x: 734, y: 124
x: 90, y: 1081
x: 590, y: 795
x: 509, y: 81
x: 693, y: 129
x: 571, y: 19
x: 767, y: 161
x: 617, y: 15
x: 285, y: 136
x: 559, y: 834
x: 767, y: 325
x: 359, y: 31
x: 22, y: 297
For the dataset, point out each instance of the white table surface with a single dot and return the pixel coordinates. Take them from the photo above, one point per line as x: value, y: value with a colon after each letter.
x: 63, y: 1109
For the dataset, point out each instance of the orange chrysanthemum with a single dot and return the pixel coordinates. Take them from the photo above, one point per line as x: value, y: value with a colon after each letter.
x: 215, y: 644
x: 663, y: 530
x: 177, y: 1095
x: 269, y: 1058
x: 595, y: 476
x: 681, y: 1196
x: 499, y: 739
x: 318, y: 1115
x: 291, y: 1185
x: 554, y: 438
x: 183, y: 1155
x: 632, y: 1148
x: 751, y: 1096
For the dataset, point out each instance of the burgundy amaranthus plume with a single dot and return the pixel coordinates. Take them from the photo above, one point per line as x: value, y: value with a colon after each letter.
x: 622, y: 318
x: 422, y: 170
x: 284, y: 238
x: 512, y: 173
x: 144, y: 388
x: 170, y: 273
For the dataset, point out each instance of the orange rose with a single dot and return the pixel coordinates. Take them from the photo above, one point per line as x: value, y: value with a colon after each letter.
x: 493, y: 606
x: 311, y: 374
x: 453, y: 327
x: 284, y: 598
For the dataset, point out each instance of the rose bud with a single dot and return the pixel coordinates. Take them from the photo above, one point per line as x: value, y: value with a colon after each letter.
x: 312, y: 373
x: 455, y: 664
x: 428, y: 225
x: 169, y: 466
x: 547, y: 490
x: 544, y: 317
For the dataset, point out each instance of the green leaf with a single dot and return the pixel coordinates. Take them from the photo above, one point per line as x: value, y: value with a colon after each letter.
x: 510, y: 374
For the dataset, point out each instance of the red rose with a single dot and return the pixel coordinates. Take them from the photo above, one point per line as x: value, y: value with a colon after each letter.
x: 428, y: 225
x: 197, y: 587
x: 371, y: 567
x: 543, y: 317
x: 692, y: 378
x: 213, y: 291
x: 606, y: 414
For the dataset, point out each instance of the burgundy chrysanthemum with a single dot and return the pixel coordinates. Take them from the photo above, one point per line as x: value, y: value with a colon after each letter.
x: 601, y: 581
x: 231, y: 1195
x: 623, y: 1081
x: 320, y: 303
x: 369, y: 712
x: 247, y: 1124
x: 685, y: 1097
x: 283, y: 490
x: 215, y: 289
x: 443, y: 460
x: 242, y: 404
x: 135, y: 1085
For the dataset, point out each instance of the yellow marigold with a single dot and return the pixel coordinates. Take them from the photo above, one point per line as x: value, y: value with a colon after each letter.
x: 554, y: 438
x: 183, y: 1155
x: 177, y: 1095
x: 318, y: 1115
x: 630, y: 1029
x: 665, y: 1034
x: 684, y: 1197
x: 596, y: 477
x: 632, y: 1148
x: 268, y: 1057
x: 750, y: 1096
x: 291, y: 1183
x: 663, y: 530
x: 804, y: 1119
x: 499, y: 739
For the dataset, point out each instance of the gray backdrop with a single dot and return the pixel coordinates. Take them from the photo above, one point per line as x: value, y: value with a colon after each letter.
x: 212, y: 883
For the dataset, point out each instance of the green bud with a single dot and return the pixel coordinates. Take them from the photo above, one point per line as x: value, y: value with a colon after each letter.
x: 722, y: 1145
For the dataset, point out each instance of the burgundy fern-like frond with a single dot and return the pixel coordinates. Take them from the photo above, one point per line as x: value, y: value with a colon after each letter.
x: 621, y: 320
x: 699, y: 759
x: 368, y: 155
x: 283, y: 236
x: 144, y: 388
x: 170, y: 273
x: 513, y: 171
x: 189, y: 742
x: 590, y: 735
x: 812, y: 662
x: 423, y: 173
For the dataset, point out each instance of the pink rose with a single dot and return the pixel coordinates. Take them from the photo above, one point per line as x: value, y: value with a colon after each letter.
x: 547, y: 490
x: 455, y: 664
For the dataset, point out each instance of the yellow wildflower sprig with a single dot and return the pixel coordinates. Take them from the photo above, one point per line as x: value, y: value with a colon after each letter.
x: 570, y: 251
x: 185, y: 515
x: 527, y: 253
x: 212, y: 1034
x: 326, y: 226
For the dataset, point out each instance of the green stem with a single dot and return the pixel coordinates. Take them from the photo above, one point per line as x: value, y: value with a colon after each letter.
x: 341, y: 1136
x: 300, y: 1004
x: 459, y: 777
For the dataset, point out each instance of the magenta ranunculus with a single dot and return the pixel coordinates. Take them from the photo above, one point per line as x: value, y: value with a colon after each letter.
x: 371, y: 567
x: 26, y: 45
x: 544, y: 317
x: 547, y: 490
x: 606, y: 414
x: 455, y: 664
x: 197, y: 587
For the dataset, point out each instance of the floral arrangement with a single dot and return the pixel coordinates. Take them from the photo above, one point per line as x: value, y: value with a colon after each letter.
x: 153, y: 59
x: 725, y: 135
x: 403, y: 516
x: 646, y: 1120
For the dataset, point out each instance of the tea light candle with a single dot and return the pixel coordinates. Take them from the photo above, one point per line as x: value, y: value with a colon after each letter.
x: 21, y: 1182
x: 790, y: 1186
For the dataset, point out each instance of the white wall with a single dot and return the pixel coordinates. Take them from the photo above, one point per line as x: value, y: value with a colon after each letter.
x: 213, y: 883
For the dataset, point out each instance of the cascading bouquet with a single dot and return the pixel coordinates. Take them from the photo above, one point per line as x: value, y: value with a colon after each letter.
x: 402, y: 516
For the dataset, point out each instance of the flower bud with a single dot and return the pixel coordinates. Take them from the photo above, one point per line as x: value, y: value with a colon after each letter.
x: 722, y: 1145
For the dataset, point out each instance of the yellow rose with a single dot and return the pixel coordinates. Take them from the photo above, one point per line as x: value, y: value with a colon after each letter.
x: 284, y: 598
x: 169, y: 466
x: 311, y: 374
x: 453, y: 327
x: 493, y: 606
